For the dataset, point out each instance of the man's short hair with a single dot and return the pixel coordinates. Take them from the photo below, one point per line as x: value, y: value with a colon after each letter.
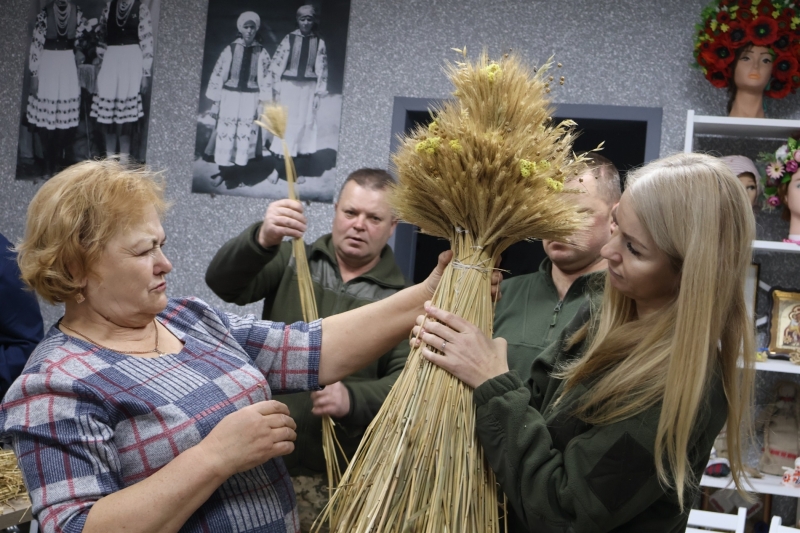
x: 608, y: 183
x: 376, y: 179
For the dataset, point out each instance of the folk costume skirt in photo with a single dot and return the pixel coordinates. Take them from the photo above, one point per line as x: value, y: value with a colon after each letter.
x: 237, y: 131
x: 57, y: 104
x: 118, y: 99
x: 301, y: 124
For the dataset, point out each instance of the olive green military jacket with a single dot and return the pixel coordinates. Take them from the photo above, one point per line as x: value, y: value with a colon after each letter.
x: 530, y: 316
x: 243, y: 272
x: 564, y: 475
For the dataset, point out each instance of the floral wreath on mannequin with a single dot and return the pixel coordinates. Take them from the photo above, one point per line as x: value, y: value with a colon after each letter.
x: 727, y: 25
x: 781, y: 166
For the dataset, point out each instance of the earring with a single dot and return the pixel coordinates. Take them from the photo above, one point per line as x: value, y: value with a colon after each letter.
x: 80, y: 298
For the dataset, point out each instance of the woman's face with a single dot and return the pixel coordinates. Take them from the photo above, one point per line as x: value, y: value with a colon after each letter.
x: 128, y: 285
x: 753, y: 70
x: 749, y: 183
x: 305, y: 23
x: 636, y: 266
x: 248, y: 32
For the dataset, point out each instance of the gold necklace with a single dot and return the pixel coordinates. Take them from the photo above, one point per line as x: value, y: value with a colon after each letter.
x: 156, y: 350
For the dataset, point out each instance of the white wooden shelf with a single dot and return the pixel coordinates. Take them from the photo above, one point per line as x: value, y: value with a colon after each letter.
x: 778, y: 365
x: 758, y: 128
x: 776, y: 246
x: 766, y: 485
x: 750, y: 128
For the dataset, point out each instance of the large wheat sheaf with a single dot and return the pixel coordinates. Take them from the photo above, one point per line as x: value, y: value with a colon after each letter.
x: 487, y: 172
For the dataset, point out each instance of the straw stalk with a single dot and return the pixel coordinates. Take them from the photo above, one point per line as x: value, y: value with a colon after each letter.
x: 274, y: 119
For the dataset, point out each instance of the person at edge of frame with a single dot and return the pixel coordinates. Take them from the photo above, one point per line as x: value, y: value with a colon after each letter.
x: 21, y: 324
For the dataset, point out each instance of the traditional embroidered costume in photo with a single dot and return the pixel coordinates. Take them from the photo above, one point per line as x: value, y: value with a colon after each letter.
x: 239, y: 81
x: 126, y: 52
x: 56, y: 104
x: 300, y: 71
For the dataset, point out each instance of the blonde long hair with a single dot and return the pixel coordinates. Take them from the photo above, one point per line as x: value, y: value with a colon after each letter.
x: 697, y: 212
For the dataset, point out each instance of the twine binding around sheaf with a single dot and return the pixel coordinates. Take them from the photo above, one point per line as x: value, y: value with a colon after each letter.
x: 458, y: 265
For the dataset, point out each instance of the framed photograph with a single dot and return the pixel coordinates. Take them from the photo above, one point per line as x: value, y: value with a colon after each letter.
x: 751, y: 289
x: 784, y: 323
x: 86, y: 89
x: 262, y: 51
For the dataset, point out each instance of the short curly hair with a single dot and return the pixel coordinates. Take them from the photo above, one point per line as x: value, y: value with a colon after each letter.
x: 74, y: 215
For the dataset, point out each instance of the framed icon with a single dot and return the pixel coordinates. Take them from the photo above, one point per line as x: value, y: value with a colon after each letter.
x: 784, y: 323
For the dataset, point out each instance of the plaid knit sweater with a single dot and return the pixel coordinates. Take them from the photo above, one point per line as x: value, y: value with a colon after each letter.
x: 87, y: 421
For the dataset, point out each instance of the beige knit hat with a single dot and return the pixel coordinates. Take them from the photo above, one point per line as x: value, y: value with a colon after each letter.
x: 739, y: 164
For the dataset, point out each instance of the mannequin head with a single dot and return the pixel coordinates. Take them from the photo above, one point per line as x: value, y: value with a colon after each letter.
x: 751, y: 71
x: 789, y: 194
x: 744, y: 169
x: 752, y: 48
x: 782, y: 184
x: 750, y: 185
x: 752, y: 68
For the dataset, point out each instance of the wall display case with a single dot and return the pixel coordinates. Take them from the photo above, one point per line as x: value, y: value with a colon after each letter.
x: 761, y: 129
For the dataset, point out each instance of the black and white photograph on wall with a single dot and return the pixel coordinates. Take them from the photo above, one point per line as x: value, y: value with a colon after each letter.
x: 86, y: 90
x: 262, y: 51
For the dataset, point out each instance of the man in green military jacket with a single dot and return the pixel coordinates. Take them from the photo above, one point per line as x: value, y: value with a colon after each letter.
x: 536, y: 307
x: 350, y: 267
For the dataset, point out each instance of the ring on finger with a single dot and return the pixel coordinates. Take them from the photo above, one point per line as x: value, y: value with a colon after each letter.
x: 444, y: 343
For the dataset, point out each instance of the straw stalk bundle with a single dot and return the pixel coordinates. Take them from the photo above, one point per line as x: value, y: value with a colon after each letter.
x: 11, y: 484
x: 489, y: 171
x: 274, y: 119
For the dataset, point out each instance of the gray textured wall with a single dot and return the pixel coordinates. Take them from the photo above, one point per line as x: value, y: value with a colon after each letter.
x: 627, y: 53
x: 620, y: 53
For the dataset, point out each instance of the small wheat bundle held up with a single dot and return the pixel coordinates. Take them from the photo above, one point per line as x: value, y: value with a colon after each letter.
x: 488, y: 171
x: 274, y: 120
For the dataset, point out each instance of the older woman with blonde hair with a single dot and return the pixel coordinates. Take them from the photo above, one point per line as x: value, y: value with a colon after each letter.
x: 614, y: 425
x: 153, y: 414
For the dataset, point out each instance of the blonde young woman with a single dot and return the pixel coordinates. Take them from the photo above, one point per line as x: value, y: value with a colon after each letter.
x: 613, y: 427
